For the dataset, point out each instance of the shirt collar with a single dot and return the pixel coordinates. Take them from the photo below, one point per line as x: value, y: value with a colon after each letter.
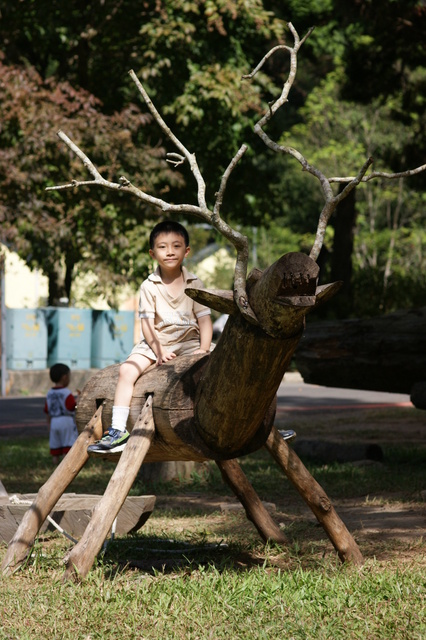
x: 187, y: 275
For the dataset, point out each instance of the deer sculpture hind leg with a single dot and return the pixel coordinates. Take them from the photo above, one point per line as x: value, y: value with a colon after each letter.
x: 234, y: 476
x: 315, y: 497
x: 49, y: 494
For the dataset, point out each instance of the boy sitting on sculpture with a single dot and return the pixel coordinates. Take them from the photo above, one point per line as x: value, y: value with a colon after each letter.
x: 172, y: 324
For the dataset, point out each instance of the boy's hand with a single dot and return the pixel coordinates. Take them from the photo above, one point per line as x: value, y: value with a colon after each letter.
x: 165, y: 357
x: 199, y: 351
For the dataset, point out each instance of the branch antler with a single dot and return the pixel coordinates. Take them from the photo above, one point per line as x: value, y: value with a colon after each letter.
x: 330, y: 199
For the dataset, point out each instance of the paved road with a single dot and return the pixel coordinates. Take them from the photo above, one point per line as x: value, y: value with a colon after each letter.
x: 295, y: 399
x: 24, y: 416
x: 295, y: 395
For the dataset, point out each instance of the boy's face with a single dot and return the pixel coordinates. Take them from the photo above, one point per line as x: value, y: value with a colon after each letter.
x: 169, y: 250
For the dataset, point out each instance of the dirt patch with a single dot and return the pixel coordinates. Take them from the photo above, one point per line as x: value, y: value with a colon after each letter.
x: 402, y: 521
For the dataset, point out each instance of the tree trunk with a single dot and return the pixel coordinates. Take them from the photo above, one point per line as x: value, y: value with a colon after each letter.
x: 57, y: 289
x: 154, y: 473
x: 341, y: 257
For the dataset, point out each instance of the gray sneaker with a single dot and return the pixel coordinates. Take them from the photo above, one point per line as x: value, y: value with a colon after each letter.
x: 112, y: 441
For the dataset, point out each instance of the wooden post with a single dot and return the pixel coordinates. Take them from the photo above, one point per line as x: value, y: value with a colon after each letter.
x: 82, y: 556
x: 315, y: 498
x: 256, y: 512
x: 49, y: 494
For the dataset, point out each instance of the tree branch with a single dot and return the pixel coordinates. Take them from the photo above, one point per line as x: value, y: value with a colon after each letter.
x: 213, y: 217
x: 331, y: 200
x: 383, y: 174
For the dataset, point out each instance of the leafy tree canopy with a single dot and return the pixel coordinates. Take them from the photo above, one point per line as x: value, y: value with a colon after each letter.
x: 61, y: 230
x: 191, y: 56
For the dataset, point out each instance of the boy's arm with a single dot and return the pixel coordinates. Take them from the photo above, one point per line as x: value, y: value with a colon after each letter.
x: 150, y: 335
x: 206, y: 333
x: 71, y: 402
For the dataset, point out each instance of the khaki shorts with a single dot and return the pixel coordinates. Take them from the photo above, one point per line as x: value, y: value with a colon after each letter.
x: 180, y: 349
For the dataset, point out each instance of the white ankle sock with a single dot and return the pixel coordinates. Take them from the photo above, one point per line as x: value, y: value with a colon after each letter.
x: 119, y: 418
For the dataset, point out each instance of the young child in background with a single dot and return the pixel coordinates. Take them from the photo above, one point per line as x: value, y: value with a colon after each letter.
x: 172, y: 324
x: 60, y: 408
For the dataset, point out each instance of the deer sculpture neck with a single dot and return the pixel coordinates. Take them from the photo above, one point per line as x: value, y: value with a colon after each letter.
x: 234, y: 403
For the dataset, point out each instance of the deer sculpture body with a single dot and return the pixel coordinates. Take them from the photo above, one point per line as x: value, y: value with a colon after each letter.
x: 222, y: 405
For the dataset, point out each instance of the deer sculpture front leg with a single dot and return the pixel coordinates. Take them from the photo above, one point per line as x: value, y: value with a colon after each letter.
x: 315, y: 497
x: 81, y: 557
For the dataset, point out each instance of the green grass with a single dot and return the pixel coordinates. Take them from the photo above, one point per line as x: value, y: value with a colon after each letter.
x: 322, y: 602
x: 25, y: 465
x: 199, y: 575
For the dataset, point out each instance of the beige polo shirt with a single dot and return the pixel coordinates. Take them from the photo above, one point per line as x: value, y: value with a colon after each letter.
x: 175, y: 319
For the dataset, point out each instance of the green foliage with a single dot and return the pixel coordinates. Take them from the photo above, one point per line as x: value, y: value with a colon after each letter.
x: 337, y: 136
x: 359, y: 91
x: 61, y: 230
x: 389, y: 251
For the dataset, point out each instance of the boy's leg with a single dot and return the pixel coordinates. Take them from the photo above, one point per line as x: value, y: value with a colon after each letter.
x: 130, y: 371
x: 116, y: 437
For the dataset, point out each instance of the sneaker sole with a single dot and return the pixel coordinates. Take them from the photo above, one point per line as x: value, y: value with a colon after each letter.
x: 117, y: 449
x: 288, y: 434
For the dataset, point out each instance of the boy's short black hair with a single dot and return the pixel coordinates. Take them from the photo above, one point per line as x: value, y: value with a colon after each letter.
x: 168, y: 226
x: 57, y: 371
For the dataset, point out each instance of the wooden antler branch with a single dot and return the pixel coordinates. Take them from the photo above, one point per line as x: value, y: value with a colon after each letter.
x: 383, y: 174
x: 331, y: 200
x: 201, y: 210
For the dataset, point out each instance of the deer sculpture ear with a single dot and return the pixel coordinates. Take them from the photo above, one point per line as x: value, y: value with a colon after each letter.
x: 221, y: 300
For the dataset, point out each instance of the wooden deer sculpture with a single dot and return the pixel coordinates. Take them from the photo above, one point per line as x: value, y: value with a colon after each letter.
x: 218, y: 406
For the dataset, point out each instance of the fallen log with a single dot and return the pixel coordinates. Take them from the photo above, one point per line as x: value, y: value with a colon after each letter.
x: 418, y: 394
x: 385, y: 353
x: 327, y: 452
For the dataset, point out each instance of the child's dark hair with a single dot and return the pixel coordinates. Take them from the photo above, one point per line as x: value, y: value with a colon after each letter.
x: 57, y: 371
x: 168, y: 226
